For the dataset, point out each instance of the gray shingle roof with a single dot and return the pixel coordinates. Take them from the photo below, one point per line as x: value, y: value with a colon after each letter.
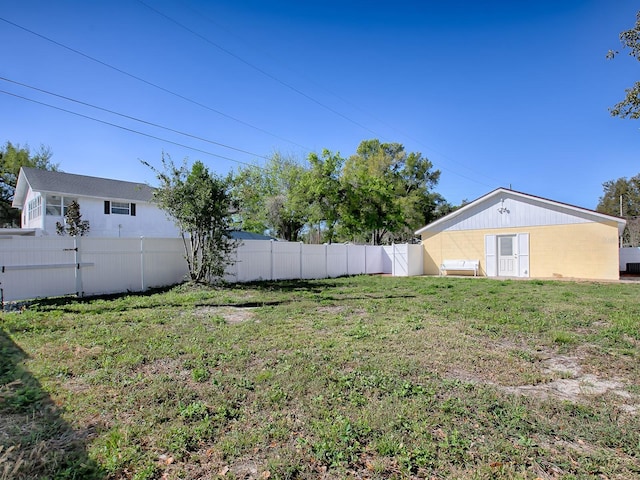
x: 82, y: 185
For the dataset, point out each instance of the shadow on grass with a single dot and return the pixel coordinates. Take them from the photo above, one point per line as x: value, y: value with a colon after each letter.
x: 318, y: 287
x: 35, y: 442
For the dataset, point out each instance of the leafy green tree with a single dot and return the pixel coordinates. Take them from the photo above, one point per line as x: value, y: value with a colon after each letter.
x: 623, y: 192
x: 628, y: 189
x: 201, y: 205
x: 12, y: 157
x: 387, y: 192
x: 321, y: 184
x: 630, y: 106
x: 271, y: 198
x: 73, y: 225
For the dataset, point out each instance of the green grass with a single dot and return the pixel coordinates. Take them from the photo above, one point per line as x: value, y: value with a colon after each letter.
x: 362, y: 377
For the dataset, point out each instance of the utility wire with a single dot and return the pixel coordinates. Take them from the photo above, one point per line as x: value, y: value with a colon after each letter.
x: 154, y: 85
x: 309, y: 97
x: 131, y: 130
x: 258, y: 69
x: 132, y: 118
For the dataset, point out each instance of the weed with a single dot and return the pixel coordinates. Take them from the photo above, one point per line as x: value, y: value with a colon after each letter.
x: 363, y: 377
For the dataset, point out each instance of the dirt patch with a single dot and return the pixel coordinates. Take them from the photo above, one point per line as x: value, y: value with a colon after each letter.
x: 575, y: 385
x: 566, y: 380
x: 231, y: 315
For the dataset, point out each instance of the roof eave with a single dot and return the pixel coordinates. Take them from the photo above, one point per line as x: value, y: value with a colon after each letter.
x: 620, y: 221
x: 20, y: 193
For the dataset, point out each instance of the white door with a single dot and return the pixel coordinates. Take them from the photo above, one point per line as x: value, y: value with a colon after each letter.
x: 507, y: 256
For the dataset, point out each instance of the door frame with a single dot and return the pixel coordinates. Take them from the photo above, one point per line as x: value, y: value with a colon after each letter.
x: 521, y: 252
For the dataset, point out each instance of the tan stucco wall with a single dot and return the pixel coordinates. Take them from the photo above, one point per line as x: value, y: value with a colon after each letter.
x: 583, y: 250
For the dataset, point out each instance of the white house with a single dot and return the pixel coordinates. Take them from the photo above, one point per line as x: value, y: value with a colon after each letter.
x: 114, y: 208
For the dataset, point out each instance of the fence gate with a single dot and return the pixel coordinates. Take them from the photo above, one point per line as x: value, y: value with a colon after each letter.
x: 44, y: 269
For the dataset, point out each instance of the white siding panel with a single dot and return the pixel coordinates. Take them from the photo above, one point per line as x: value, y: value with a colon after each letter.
x: 55, y: 277
x: 514, y: 212
x: 416, y: 264
x: 336, y: 260
x: 356, y: 259
x: 286, y: 260
x: 387, y: 259
x: 314, y: 264
x: 119, y: 265
x: 164, y: 262
x: 523, y: 255
x: 490, y: 256
x: 374, y: 261
x: 253, y: 261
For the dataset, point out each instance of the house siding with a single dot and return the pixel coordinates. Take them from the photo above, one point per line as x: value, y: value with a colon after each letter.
x: 149, y: 220
x: 587, y: 250
x: 516, y: 213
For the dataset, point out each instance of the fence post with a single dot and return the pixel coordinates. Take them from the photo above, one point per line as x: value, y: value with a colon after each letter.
x: 393, y: 259
x: 142, y: 263
x: 271, y: 259
x: 347, y: 259
x: 77, y: 261
x: 300, y: 260
x: 326, y: 261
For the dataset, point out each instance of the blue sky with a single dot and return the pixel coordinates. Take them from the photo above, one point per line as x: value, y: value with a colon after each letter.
x: 495, y: 93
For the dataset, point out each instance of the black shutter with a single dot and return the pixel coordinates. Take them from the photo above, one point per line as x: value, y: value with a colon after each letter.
x: 107, y: 207
x: 133, y: 209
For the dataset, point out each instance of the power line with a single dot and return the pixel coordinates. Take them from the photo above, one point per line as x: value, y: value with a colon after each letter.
x: 185, y: 98
x: 131, y: 130
x: 309, y: 97
x: 258, y: 69
x: 132, y: 118
x: 154, y: 85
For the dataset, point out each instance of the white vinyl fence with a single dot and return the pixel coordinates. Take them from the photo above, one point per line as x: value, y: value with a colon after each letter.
x: 630, y: 255
x: 36, y: 267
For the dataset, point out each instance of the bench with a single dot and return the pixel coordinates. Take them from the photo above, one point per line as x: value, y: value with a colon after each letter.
x: 460, y: 265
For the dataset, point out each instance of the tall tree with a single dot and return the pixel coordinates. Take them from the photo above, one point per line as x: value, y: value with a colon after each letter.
x: 201, y: 205
x: 12, y: 157
x: 271, y: 198
x: 630, y: 106
x: 321, y: 185
x: 73, y: 223
x: 623, y: 192
x: 387, y: 192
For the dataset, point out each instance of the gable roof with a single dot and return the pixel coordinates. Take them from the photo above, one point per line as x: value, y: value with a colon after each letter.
x: 62, y: 183
x: 584, y: 212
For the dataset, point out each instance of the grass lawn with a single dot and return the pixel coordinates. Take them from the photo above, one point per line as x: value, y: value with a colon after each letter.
x: 361, y: 377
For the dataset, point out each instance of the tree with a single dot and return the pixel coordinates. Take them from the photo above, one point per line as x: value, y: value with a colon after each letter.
x: 623, y: 192
x: 630, y: 106
x: 12, y: 157
x: 73, y: 223
x: 321, y: 185
x: 201, y: 205
x: 387, y: 192
x: 272, y: 199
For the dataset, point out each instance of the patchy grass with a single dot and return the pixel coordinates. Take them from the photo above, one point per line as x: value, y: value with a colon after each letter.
x: 363, y: 377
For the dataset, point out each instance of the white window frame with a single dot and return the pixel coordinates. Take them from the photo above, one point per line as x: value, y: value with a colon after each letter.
x: 35, y: 208
x: 121, y: 208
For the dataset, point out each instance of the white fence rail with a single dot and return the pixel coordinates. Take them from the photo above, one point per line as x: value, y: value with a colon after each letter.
x: 35, y: 267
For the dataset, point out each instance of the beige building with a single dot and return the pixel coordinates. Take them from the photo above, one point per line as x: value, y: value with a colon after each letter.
x: 513, y: 234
